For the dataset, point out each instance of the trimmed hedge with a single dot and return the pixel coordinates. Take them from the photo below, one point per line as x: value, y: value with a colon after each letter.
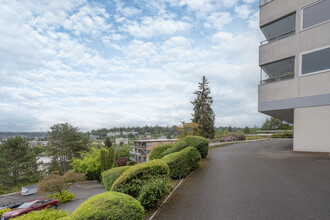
x: 157, y: 152
x: 133, y: 179
x: 183, y: 162
x: 178, y: 146
x: 50, y: 214
x: 110, y: 176
x: 153, y: 191
x: 200, y: 143
x: 109, y: 205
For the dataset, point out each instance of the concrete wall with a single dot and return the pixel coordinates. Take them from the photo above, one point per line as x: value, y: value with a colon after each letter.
x: 311, y: 129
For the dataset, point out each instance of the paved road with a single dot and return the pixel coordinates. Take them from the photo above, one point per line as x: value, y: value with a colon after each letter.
x: 258, y: 180
x: 82, y: 191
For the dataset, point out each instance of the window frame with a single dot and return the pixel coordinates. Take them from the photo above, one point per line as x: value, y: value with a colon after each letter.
x: 301, y: 63
x: 302, y: 16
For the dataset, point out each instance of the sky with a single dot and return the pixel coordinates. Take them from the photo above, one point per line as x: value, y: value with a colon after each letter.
x: 119, y: 63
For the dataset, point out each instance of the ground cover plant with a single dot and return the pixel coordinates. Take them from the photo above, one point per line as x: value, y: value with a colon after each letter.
x: 200, y: 143
x: 183, y: 162
x: 109, y: 205
x: 157, y: 152
x: 110, y: 176
x: 49, y: 214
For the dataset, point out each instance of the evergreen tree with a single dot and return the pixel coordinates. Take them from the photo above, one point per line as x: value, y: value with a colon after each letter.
x: 66, y: 142
x: 18, y: 162
x: 115, y: 159
x: 203, y: 113
x: 107, y: 142
x: 102, y: 158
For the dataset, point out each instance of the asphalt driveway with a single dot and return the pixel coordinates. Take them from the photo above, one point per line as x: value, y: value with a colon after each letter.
x: 82, y: 191
x: 256, y: 180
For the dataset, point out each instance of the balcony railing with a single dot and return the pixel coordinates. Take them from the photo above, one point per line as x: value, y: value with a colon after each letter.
x: 263, y: 2
x: 266, y: 79
x: 279, y: 37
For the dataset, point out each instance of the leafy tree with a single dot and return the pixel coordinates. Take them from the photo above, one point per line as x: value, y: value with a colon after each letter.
x: 18, y: 162
x: 275, y: 124
x: 66, y: 142
x: 124, y: 152
x: 38, y: 149
x: 247, y: 130
x: 56, y: 183
x: 188, y: 129
x: 230, y: 129
x: 89, y: 163
x: 107, y: 142
x: 203, y: 113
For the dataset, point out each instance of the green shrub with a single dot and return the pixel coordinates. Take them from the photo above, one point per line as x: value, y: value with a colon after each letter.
x: 183, y: 162
x: 109, y: 205
x: 49, y: 214
x: 200, y: 143
x: 133, y: 179
x: 63, y: 196
x: 3, y: 211
x: 285, y: 134
x: 110, y: 176
x: 176, y: 148
x: 153, y: 191
x: 157, y: 152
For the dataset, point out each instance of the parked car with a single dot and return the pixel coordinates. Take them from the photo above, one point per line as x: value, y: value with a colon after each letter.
x: 33, y: 205
x: 11, y: 205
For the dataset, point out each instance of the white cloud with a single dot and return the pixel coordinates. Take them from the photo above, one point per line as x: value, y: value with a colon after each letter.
x: 243, y: 11
x: 218, y: 20
x: 150, y: 27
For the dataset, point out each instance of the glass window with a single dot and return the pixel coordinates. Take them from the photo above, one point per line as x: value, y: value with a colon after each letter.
x: 316, y: 14
x: 315, y: 61
x: 279, y: 68
x: 280, y: 29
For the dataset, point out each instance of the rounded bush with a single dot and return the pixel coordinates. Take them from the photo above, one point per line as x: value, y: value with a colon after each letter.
x: 109, y: 205
x: 50, y: 214
x: 183, y: 162
x: 110, y: 176
x: 133, y: 179
x: 157, y: 152
x: 153, y: 191
x: 200, y: 143
x: 178, y: 146
x: 64, y: 196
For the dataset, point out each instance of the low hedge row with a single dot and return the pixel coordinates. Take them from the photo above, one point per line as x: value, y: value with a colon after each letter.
x: 200, y: 143
x: 50, y: 214
x: 109, y: 205
x: 178, y: 146
x: 183, y: 162
x: 132, y: 180
x: 157, y: 152
x: 110, y: 176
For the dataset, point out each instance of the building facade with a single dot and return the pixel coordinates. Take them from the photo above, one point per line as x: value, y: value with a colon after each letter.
x: 142, y: 148
x: 295, y: 69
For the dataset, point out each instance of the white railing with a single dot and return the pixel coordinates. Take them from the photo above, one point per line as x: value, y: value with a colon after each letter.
x: 279, y: 37
x: 264, y: 78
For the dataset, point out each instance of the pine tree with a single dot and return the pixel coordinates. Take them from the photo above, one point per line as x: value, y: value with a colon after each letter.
x: 18, y: 162
x: 203, y: 113
x: 102, y: 158
x: 107, y: 142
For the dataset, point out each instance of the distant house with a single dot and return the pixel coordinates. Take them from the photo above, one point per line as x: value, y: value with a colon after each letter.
x: 121, y: 140
x: 38, y: 143
x: 44, y: 163
x: 142, y: 148
x: 93, y: 137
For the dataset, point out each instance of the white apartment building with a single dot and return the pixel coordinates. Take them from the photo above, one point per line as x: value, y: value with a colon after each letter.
x: 295, y: 64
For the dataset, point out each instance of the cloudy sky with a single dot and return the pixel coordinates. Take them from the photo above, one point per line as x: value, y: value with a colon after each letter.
x: 117, y: 63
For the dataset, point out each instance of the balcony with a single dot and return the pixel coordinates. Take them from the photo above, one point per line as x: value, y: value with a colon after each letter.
x: 278, y: 37
x: 277, y: 71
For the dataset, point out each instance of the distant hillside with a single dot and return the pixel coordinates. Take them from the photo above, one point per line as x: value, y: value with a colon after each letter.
x: 23, y: 134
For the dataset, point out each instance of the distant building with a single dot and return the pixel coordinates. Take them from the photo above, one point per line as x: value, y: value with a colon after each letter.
x: 93, y: 137
x: 121, y: 140
x: 44, y: 163
x: 142, y: 148
x: 38, y: 143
